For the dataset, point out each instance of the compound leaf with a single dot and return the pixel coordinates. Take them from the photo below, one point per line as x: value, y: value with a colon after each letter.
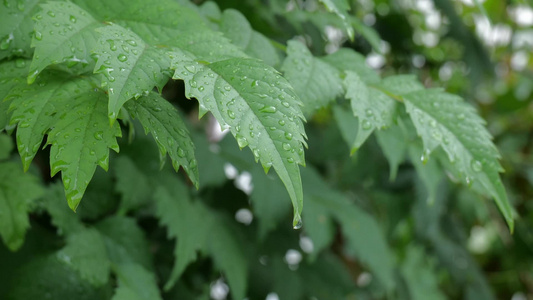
x: 130, y: 67
x: 17, y: 191
x: 163, y: 121
x: 445, y: 120
x: 316, y: 82
x: 63, y: 33
x: 85, y: 252
x: 260, y: 109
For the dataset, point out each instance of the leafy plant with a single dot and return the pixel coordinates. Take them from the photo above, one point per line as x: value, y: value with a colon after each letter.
x: 84, y: 77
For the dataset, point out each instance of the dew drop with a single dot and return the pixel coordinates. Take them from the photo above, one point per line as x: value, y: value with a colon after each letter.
x: 287, y: 146
x: 231, y: 114
x: 122, y: 57
x: 190, y: 68
x: 181, y: 152
x: 201, y: 88
x: 132, y: 42
x: 98, y: 135
x: 73, y: 19
x: 281, y: 122
x: 288, y: 135
x: 290, y: 160
x: 38, y: 35
x: 297, y: 222
x: 51, y: 14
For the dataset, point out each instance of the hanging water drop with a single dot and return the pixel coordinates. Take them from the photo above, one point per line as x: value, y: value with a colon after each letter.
x: 297, y: 222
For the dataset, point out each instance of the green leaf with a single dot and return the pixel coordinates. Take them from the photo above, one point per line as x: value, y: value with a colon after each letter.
x: 348, y: 60
x: 190, y: 228
x: 269, y: 200
x: 223, y: 246
x: 85, y: 253
x: 372, y: 107
x: 369, y: 33
x: 131, y: 183
x: 237, y: 28
x: 6, y: 145
x: 210, y: 162
x: 166, y: 23
x: 401, y: 84
x: 125, y: 241
x: 260, y: 109
x: 64, y: 219
x: 35, y: 110
x: 393, y: 143
x: 199, y: 229
x: 130, y: 67
x: 447, y: 121
x: 364, y: 237
x: 135, y: 283
x: 162, y: 120
x: 429, y: 171
x: 16, y: 27
x: 47, y: 277
x: 64, y: 33
x: 80, y: 140
x: 348, y: 125
x: 340, y: 8
x: 420, y: 276
x: 17, y: 191
x: 12, y: 74
x: 316, y: 82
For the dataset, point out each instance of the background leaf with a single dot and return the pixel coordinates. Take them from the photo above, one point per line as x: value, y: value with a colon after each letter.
x: 17, y: 191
